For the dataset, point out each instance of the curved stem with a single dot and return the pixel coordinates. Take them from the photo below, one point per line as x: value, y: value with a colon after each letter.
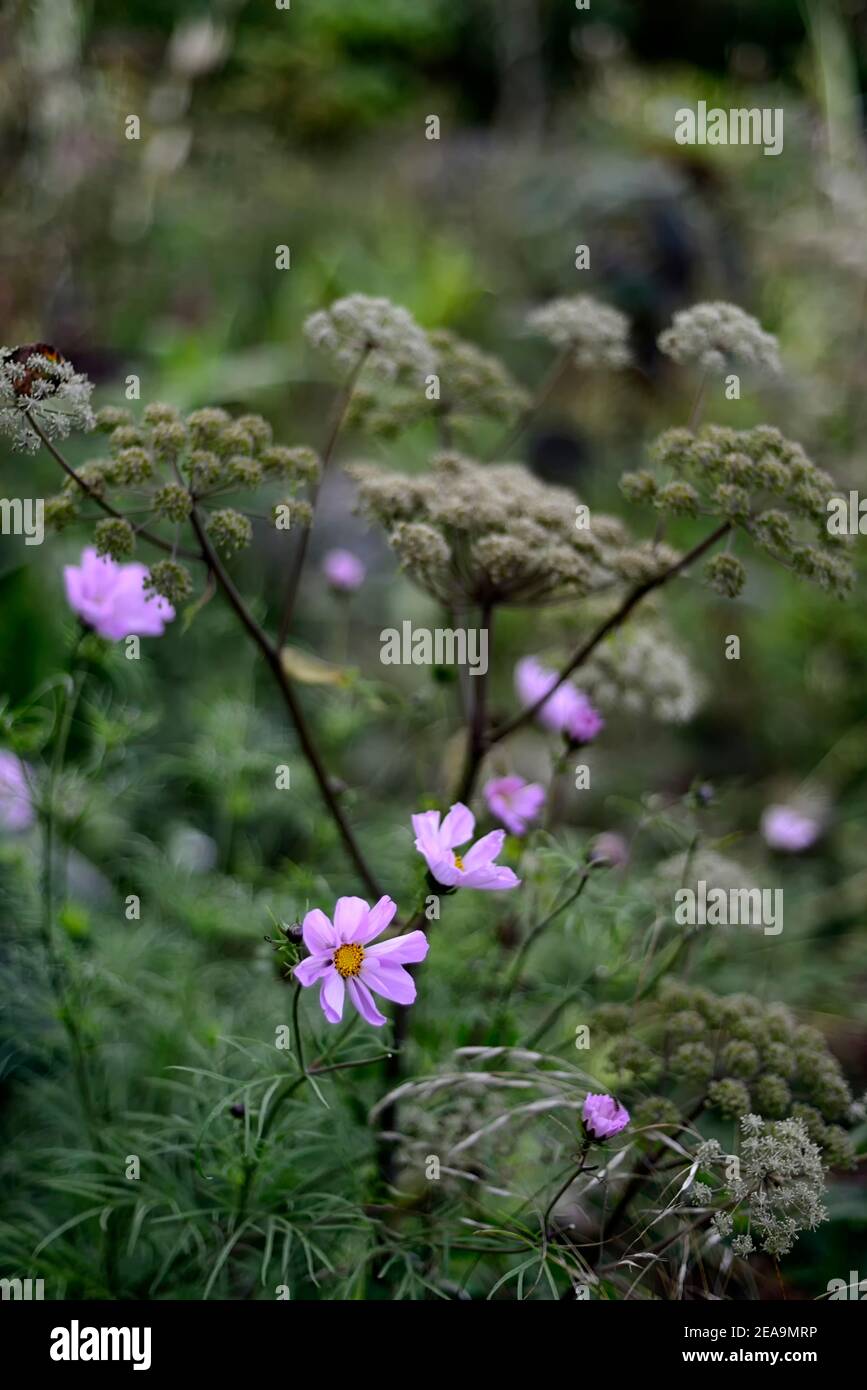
x: 579, y: 656
x: 272, y: 657
x: 574, y: 1173
x: 106, y: 507
x: 57, y: 973
x: 296, y: 1029
x: 338, y: 417
x: 387, y: 1118
x: 546, y: 389
x: 476, y: 728
x: 534, y: 935
x: 614, y: 621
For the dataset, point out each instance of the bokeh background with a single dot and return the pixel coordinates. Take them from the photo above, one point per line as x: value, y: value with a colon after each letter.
x: 306, y: 128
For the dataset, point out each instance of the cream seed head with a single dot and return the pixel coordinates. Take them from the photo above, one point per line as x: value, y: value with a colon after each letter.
x: 515, y: 536
x: 257, y: 428
x: 472, y: 385
x: 93, y: 476
x: 421, y: 549
x: 597, y: 335
x: 161, y: 413
x: 244, y: 471
x: 475, y: 382
x: 170, y: 579
x: 644, y: 561
x: 204, y: 469
x: 126, y: 436
x: 45, y: 386
x: 206, y: 426
x: 168, y: 440
x: 301, y: 511
x: 114, y: 536
x: 61, y: 510
x: 111, y: 417
x: 173, y: 502
x: 232, y: 439
x: 229, y: 530
x: 726, y: 574
x: 713, y: 336
x: 735, y: 475
x: 388, y: 334
x: 642, y: 670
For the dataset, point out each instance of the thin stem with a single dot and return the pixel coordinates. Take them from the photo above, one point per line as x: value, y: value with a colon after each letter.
x: 557, y: 771
x: 546, y: 389
x: 698, y: 403
x: 530, y: 940
x: 632, y: 600
x: 296, y: 1028
x: 574, y: 1173
x: 273, y: 659
x: 57, y: 973
x: 109, y: 510
x: 692, y: 425
x: 387, y: 1119
x: 253, y: 1161
x: 341, y: 406
x: 547, y: 1022
x: 646, y: 1167
x: 476, y: 728
x: 610, y: 624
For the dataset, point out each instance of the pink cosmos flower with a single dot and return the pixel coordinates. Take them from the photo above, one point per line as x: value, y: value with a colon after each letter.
x: 112, y: 599
x: 16, y: 803
x: 609, y: 848
x: 603, y: 1116
x: 787, y: 829
x: 344, y: 571
x: 513, y: 801
x: 342, y: 957
x: 475, y: 868
x: 568, y: 711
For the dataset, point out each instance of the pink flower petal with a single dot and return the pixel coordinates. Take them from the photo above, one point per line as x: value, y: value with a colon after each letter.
x: 458, y: 826
x: 427, y: 831
x: 388, y: 979
x: 378, y: 918
x: 363, y: 1001
x: 350, y: 914
x: 491, y: 878
x: 414, y: 946
x: 72, y: 580
x: 331, y: 997
x: 318, y: 933
x: 445, y: 871
x: 112, y: 598
x: 308, y: 971
x: 484, y: 851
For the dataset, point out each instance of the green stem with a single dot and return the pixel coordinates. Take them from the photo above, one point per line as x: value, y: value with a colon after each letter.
x: 530, y: 940
x: 271, y: 654
x: 574, y: 1173
x: 338, y: 418
x: 546, y: 389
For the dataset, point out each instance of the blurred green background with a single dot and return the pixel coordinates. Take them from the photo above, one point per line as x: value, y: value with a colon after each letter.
x: 306, y: 127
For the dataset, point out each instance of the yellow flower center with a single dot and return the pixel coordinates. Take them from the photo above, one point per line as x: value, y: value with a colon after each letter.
x: 459, y: 863
x: 347, y: 959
